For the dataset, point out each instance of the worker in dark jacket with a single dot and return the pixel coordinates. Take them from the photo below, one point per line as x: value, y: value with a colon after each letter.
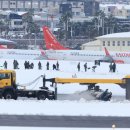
x: 39, y: 65
x: 57, y: 65
x: 54, y: 67
x: 5, y: 65
x: 78, y: 66
x: 114, y: 67
x: 110, y: 67
x: 85, y: 67
x: 47, y: 66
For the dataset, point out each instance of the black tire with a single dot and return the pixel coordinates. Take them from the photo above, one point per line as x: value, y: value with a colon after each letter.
x: 41, y: 96
x: 15, y: 97
x: 8, y: 95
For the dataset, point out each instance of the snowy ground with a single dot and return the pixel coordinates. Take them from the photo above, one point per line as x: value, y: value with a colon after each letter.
x: 73, y: 99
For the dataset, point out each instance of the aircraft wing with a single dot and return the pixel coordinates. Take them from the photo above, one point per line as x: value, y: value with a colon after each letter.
x: 107, y: 59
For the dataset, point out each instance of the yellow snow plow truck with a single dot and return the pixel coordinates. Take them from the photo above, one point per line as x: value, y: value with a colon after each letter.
x: 9, y: 89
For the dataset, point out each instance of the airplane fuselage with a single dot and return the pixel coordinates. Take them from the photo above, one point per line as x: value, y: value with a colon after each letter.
x: 83, y: 55
x: 20, y: 54
x: 74, y: 55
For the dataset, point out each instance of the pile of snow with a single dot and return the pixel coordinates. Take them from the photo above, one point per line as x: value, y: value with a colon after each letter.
x: 66, y: 108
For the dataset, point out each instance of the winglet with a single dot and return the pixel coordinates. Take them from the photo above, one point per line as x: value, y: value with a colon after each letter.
x: 107, y: 52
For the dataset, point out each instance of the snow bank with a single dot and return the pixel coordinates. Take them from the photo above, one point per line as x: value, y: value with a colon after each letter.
x: 66, y: 108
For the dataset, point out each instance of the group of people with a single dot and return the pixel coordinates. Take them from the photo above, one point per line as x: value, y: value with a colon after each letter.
x: 112, y: 67
x: 85, y: 67
x: 28, y: 65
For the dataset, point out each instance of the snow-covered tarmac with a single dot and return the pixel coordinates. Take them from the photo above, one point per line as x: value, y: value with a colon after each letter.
x: 81, y: 105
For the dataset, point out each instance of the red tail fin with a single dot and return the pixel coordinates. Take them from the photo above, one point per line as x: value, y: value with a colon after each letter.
x: 50, y: 40
x: 106, y: 51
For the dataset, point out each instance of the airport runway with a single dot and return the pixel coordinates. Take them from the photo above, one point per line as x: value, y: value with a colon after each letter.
x: 64, y: 121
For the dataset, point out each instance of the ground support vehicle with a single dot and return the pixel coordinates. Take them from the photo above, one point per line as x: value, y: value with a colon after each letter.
x: 10, y: 90
x: 91, y: 83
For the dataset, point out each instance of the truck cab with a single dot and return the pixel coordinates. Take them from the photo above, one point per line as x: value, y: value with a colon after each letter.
x: 9, y: 89
x: 8, y: 84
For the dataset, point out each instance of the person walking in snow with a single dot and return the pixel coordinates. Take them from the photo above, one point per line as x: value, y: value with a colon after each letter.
x: 5, y: 65
x: 114, y: 67
x: 110, y: 67
x: 47, y: 66
x: 85, y: 67
x: 57, y: 65
x: 54, y: 67
x: 78, y: 66
x: 39, y: 65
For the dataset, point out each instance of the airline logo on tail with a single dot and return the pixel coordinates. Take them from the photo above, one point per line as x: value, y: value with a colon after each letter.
x: 50, y: 40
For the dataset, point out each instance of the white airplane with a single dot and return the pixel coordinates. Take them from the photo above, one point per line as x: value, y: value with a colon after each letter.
x: 74, y: 55
x: 18, y: 53
x: 89, y: 56
x: 21, y: 54
x: 64, y: 53
x: 59, y: 52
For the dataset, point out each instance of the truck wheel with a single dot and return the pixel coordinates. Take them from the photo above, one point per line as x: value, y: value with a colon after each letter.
x: 41, y: 96
x: 8, y: 95
x: 15, y: 97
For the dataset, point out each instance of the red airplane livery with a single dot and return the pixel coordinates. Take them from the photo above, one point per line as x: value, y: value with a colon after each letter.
x: 51, y: 42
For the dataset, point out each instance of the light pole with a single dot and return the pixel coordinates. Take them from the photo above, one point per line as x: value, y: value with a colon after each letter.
x: 52, y: 24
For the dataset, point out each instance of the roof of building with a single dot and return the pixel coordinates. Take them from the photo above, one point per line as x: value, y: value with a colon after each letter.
x: 119, y: 6
x: 21, y: 12
x: 92, y: 43
x: 116, y: 35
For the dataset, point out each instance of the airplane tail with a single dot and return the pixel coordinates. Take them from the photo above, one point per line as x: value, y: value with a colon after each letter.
x: 50, y: 40
x: 107, y: 52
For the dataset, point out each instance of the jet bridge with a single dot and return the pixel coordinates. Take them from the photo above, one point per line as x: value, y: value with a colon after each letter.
x: 124, y: 82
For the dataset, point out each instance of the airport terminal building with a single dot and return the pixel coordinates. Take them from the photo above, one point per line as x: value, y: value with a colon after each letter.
x: 113, y: 42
